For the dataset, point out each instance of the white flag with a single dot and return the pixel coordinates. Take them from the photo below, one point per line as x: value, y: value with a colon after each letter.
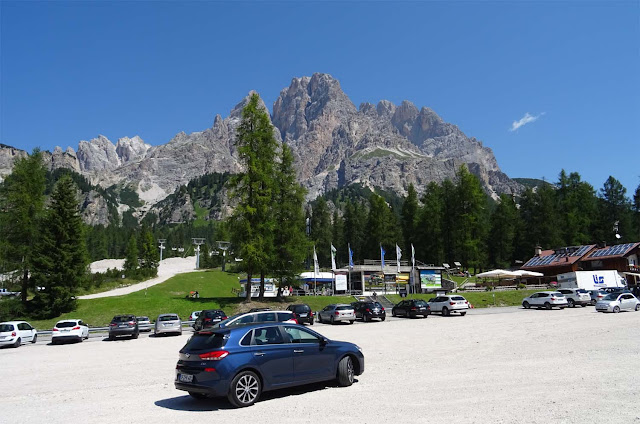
x: 333, y: 258
x: 316, y: 268
x: 413, y: 256
x: 398, y: 256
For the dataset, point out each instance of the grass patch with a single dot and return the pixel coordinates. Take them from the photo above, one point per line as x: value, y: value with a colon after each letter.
x: 214, y: 287
x: 378, y: 153
x: 480, y: 299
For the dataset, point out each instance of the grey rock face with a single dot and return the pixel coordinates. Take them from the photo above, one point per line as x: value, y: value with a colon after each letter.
x: 94, y: 209
x: 8, y: 155
x: 97, y: 155
x: 334, y: 144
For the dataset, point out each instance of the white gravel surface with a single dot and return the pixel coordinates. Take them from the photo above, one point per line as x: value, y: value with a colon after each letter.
x: 167, y: 268
x: 520, y: 366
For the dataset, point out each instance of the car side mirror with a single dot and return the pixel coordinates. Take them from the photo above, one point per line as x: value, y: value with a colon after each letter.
x: 324, y: 341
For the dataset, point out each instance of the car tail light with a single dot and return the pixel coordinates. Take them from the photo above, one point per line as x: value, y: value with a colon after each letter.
x: 13, y: 334
x: 311, y: 314
x: 214, y: 356
x: 383, y: 309
x: 553, y: 298
x: 207, y: 319
x: 452, y: 303
x: 413, y: 308
x: 295, y: 320
x: 132, y: 323
x: 77, y: 327
x: 113, y: 324
x: 55, y: 329
x: 224, y: 317
x: 337, y: 313
x: 368, y: 310
x: 210, y: 370
x: 466, y: 302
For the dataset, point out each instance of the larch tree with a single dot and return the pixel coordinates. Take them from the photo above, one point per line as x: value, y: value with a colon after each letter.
x: 252, y: 222
x: 21, y: 209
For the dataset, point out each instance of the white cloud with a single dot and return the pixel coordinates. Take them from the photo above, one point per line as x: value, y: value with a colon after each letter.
x: 526, y: 119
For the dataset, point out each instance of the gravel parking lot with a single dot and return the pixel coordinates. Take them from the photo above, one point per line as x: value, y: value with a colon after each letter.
x: 492, y: 366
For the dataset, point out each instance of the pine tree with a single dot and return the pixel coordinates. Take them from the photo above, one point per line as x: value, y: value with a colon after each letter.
x: 61, y: 259
x: 337, y: 237
x: 410, y: 217
x: 577, y: 206
x: 614, y: 208
x: 355, y: 220
x: 252, y: 224
x: 290, y: 240
x: 429, y: 244
x: 504, y: 226
x: 149, y: 254
x: 131, y: 262
x: 21, y: 209
x: 321, y: 232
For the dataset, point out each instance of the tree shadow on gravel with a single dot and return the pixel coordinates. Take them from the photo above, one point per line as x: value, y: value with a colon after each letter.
x: 187, y: 403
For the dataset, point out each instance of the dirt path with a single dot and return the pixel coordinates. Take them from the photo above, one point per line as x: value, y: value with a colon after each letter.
x: 166, y: 269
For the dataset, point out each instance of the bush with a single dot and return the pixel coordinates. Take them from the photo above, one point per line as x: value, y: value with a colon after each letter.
x: 11, y: 309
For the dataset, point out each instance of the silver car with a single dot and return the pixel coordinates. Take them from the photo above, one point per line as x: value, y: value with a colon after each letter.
x: 337, y: 312
x: 168, y: 324
x: 615, y: 302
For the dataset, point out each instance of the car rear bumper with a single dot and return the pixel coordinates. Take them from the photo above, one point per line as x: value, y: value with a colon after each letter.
x: 66, y: 337
x: 161, y: 330
x: 123, y: 332
x: 7, y: 342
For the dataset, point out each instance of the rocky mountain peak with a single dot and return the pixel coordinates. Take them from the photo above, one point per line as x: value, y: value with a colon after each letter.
x: 385, y: 108
x: 97, y: 155
x: 131, y: 149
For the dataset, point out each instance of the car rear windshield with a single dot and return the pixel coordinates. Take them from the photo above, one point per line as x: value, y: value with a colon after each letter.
x: 457, y: 298
x: 206, y: 340
x: 420, y: 303
x: 211, y: 314
x: 66, y: 324
x: 343, y: 308
x: 169, y: 318
x: 4, y: 328
x: 143, y: 318
x: 124, y: 318
x: 301, y: 308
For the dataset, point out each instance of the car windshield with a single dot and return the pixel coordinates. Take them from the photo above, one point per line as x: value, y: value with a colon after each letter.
x: 612, y: 296
x: 343, y: 308
x: 66, y: 324
x: 168, y: 318
x: 205, y: 340
x: 4, y: 328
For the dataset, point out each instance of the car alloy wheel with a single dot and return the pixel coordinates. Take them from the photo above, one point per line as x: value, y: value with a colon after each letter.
x: 638, y: 307
x: 17, y: 343
x: 526, y: 305
x: 547, y: 305
x: 346, y: 371
x: 572, y: 304
x: 35, y: 338
x: 616, y: 309
x: 245, y: 389
x: 445, y: 312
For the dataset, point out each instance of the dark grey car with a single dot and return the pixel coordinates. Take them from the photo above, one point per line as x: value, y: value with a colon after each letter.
x: 124, y: 325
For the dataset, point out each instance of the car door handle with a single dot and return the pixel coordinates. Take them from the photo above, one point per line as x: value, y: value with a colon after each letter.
x: 258, y: 354
x: 298, y: 351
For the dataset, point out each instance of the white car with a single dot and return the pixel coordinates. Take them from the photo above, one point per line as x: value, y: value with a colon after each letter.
x: 14, y: 333
x: 575, y: 297
x: 69, y: 330
x: 615, y: 302
x: 448, y: 304
x: 168, y: 323
x: 194, y: 315
x: 545, y: 299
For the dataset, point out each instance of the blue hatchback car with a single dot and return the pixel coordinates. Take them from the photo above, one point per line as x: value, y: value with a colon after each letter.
x: 242, y: 362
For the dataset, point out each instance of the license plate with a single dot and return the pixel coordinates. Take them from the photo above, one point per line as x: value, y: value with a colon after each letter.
x: 3, y: 337
x: 185, y: 378
x: 122, y: 326
x: 303, y: 315
x: 65, y: 331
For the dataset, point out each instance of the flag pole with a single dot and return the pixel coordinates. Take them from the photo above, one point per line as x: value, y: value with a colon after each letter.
x: 349, y: 253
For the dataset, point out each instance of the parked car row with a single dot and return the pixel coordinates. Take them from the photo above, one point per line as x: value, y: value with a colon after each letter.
x: 607, y: 300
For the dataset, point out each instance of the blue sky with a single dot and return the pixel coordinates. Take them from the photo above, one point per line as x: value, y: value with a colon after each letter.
x: 569, y: 71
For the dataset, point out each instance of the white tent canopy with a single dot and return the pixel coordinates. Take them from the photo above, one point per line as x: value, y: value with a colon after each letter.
x: 498, y: 273
x: 522, y: 273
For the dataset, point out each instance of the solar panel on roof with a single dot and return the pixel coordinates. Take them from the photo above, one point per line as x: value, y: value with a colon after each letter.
x: 619, y: 249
